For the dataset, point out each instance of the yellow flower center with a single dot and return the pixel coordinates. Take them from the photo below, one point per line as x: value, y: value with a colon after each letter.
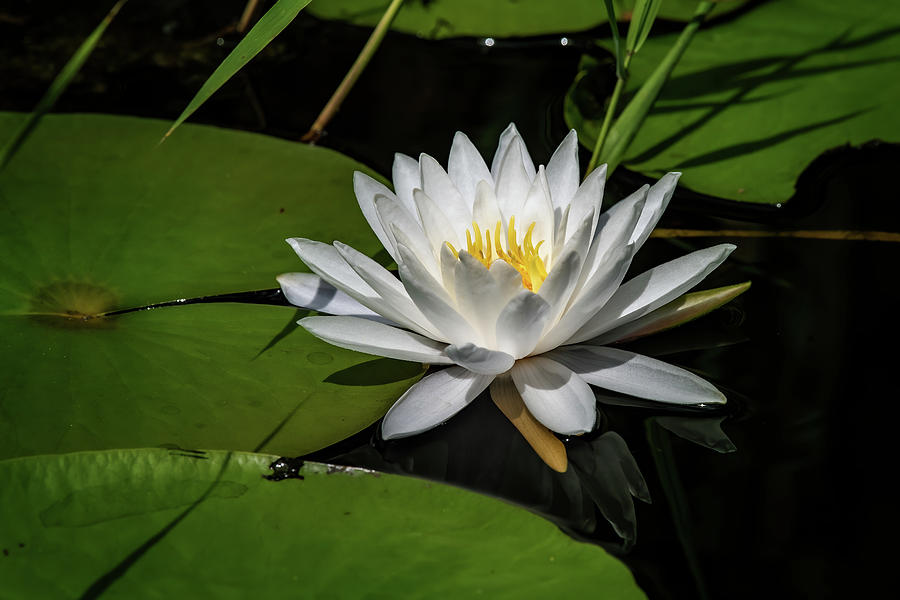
x: 523, y: 257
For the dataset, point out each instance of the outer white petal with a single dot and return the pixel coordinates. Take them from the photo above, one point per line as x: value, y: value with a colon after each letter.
x: 437, y: 184
x: 521, y: 322
x: 432, y: 401
x: 556, y: 396
x: 366, y: 189
x: 511, y: 183
x: 480, y: 360
x: 614, y: 230
x: 466, y: 168
x: 637, y: 375
x: 657, y: 200
x: 326, y: 261
x: 432, y: 299
x: 511, y: 137
x: 311, y: 291
x: 587, y: 200
x: 388, y: 288
x: 407, y: 177
x: 589, y: 300
x: 653, y: 288
x: 363, y: 335
x: 395, y: 218
x: 658, y: 197
x: 563, y: 174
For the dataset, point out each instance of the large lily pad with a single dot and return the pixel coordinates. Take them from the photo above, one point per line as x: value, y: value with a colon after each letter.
x: 436, y: 19
x: 152, y: 523
x: 755, y: 100
x: 94, y: 216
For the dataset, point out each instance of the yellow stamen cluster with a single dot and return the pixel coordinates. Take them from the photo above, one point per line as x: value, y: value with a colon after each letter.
x: 523, y: 257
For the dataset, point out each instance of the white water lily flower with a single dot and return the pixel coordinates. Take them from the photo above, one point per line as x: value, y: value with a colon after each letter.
x: 506, y: 273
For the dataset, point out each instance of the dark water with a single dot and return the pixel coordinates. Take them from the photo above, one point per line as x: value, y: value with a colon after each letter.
x: 794, y: 505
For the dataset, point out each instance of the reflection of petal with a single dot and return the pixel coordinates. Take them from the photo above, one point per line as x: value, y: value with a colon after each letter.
x: 432, y: 401
x: 705, y: 432
x: 638, y: 375
x: 608, y: 472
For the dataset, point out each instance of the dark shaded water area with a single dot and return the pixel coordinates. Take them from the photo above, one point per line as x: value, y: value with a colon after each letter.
x: 788, y: 501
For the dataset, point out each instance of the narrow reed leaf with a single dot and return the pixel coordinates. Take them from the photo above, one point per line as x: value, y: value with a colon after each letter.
x: 58, y: 86
x: 270, y: 25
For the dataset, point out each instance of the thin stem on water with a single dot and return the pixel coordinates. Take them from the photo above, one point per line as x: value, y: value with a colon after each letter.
x: 249, y: 10
x: 334, y: 103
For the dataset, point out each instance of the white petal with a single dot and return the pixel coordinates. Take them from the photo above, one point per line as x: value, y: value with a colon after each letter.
x: 466, y: 167
x: 363, y: 335
x: 521, y: 322
x: 432, y: 299
x: 614, y: 230
x: 388, y: 288
x: 587, y: 200
x: 432, y: 401
x: 437, y: 184
x: 637, y: 375
x: 538, y: 210
x: 511, y: 137
x: 406, y: 177
x: 479, y: 296
x: 658, y: 197
x: 325, y: 261
x: 480, y: 360
x: 438, y: 228
x: 512, y: 183
x: 654, y: 288
x: 565, y: 271
x: 563, y: 174
x: 311, y: 291
x: 486, y: 212
x: 394, y: 217
x: 448, y: 270
x: 366, y: 189
x: 589, y: 300
x: 556, y: 396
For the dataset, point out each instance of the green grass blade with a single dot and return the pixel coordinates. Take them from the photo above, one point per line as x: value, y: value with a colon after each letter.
x: 628, y: 123
x: 58, y: 86
x: 617, y: 42
x: 270, y: 25
x: 642, y: 18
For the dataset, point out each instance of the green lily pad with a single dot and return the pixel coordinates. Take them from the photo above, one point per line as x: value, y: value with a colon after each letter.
x: 438, y: 19
x: 755, y: 100
x: 95, y: 217
x: 152, y: 523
